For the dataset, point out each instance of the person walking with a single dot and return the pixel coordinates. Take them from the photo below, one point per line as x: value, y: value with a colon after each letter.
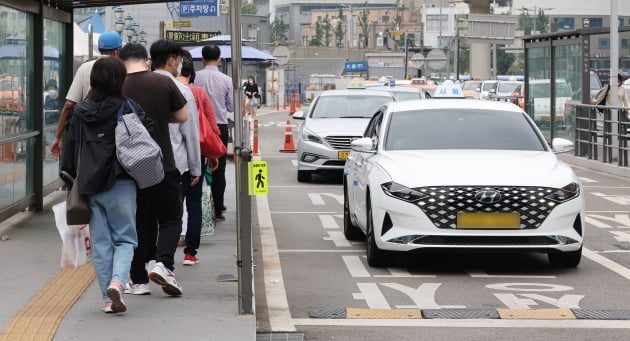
x: 252, y: 101
x: 159, y: 217
x: 109, y: 44
x: 90, y: 150
x: 194, y: 193
x: 184, y: 138
x: 220, y: 89
x: 622, y: 97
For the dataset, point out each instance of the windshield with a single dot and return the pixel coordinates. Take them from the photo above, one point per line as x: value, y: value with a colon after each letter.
x: 488, y: 86
x: 542, y: 90
x: 461, y: 129
x: 407, y: 95
x: 507, y: 87
x: 471, y: 86
x: 360, y: 105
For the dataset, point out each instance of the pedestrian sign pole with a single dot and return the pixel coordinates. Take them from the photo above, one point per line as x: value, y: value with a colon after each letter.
x: 257, y: 178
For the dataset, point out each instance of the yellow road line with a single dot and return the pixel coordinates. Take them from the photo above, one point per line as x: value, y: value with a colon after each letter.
x: 39, y: 318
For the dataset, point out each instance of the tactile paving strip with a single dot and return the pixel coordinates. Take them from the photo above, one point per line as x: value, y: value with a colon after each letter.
x: 588, y: 314
x: 328, y: 313
x: 460, y: 314
x: 383, y: 313
x: 536, y: 314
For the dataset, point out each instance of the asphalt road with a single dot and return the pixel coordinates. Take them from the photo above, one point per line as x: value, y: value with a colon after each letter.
x: 305, y: 266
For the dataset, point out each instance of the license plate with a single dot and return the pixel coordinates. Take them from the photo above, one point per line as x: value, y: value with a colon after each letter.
x: 488, y: 220
x: 343, y: 154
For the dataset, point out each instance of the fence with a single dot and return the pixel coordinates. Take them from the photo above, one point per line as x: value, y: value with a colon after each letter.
x: 600, y: 137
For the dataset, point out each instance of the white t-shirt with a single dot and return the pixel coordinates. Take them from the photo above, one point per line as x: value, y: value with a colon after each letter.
x: 81, y: 83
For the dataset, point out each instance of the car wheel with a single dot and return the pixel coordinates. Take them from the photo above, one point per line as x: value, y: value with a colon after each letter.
x: 569, y: 259
x: 351, y: 231
x: 303, y: 176
x: 375, y: 256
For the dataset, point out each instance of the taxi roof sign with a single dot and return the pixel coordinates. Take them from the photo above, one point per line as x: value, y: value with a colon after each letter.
x: 448, y: 89
x: 356, y: 83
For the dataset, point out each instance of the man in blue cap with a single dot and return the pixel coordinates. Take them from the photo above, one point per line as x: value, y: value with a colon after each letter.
x: 109, y: 44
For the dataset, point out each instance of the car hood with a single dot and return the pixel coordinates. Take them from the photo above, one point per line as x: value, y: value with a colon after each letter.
x: 470, y: 168
x: 337, y: 126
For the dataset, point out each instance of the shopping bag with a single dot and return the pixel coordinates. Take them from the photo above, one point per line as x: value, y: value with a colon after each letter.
x: 207, y: 223
x: 211, y: 144
x: 76, y: 248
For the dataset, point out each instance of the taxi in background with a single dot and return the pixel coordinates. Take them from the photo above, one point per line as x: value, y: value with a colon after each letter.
x: 333, y: 120
x: 470, y: 86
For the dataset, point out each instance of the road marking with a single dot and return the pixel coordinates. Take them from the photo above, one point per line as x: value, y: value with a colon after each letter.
x: 276, y: 294
x: 372, y: 296
x: 318, y: 198
x: 320, y: 251
x: 294, y: 163
x: 614, y: 251
x: 355, y: 266
x: 338, y: 238
x: 328, y: 221
x: 617, y: 199
x: 304, y: 186
x: 289, y: 212
x: 467, y: 323
x: 585, y: 179
x: 400, y: 273
x: 611, y: 265
x: 481, y: 274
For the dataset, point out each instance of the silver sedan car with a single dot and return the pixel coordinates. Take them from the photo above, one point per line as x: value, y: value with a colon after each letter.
x: 334, y: 119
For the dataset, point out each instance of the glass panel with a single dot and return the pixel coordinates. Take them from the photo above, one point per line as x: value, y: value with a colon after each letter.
x: 54, y: 84
x: 539, y: 74
x: 568, y: 73
x: 16, y: 97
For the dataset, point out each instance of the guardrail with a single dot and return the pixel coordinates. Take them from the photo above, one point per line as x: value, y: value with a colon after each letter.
x: 600, y: 137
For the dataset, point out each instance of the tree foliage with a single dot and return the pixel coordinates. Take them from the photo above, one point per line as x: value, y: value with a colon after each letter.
x: 277, y: 31
x: 326, y: 28
x: 504, y: 60
x: 247, y: 8
x: 339, y: 33
x: 542, y: 22
x: 364, y: 23
x: 319, y: 33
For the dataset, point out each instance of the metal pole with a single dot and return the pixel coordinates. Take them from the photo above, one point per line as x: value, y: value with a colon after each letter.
x: 242, y: 155
x: 614, y: 69
x: 406, y: 51
x: 494, y: 61
x: 456, y: 47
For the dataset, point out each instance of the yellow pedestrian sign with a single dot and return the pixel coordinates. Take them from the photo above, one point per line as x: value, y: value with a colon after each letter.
x: 257, y: 177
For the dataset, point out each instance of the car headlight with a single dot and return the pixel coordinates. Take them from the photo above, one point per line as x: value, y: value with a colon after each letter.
x: 565, y: 193
x: 401, y: 192
x: 308, y: 135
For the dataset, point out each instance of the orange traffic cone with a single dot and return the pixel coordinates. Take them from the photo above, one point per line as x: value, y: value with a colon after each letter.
x: 292, y: 107
x: 289, y: 146
x: 298, y: 101
x: 277, y: 103
x: 284, y: 102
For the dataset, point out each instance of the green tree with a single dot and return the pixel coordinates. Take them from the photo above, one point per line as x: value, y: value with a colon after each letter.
x: 319, y: 32
x: 524, y: 21
x: 363, y: 23
x: 247, y: 8
x: 339, y: 33
x: 542, y: 22
x: 504, y: 60
x: 399, y: 8
x: 277, y: 31
x: 326, y: 27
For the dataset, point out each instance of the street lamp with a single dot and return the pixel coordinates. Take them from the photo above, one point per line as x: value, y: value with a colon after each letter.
x: 129, y: 32
x: 135, y: 26
x: 128, y: 20
x: 143, y: 34
x: 143, y: 42
x: 118, y: 13
x: 134, y: 38
x: 119, y: 26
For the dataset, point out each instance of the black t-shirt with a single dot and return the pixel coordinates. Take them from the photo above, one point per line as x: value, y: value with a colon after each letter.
x: 159, y: 96
x: 251, y: 88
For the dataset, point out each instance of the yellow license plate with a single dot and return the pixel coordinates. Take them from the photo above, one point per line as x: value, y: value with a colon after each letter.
x: 488, y: 220
x: 343, y: 155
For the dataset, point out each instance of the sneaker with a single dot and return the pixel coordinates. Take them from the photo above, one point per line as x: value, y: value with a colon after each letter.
x: 107, y: 309
x: 190, y: 259
x: 164, y: 277
x: 114, y: 292
x: 137, y: 289
x: 219, y: 217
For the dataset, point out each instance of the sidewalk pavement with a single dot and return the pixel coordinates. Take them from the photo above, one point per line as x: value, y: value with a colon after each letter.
x: 208, y: 309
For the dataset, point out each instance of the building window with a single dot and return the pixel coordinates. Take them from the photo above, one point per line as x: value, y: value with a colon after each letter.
x: 596, y: 22
x: 385, y: 19
x: 603, y: 43
x: 624, y: 44
x: 436, y: 22
x: 564, y: 23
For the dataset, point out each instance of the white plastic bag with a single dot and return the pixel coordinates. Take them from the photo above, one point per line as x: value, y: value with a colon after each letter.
x: 76, y: 249
x: 207, y: 223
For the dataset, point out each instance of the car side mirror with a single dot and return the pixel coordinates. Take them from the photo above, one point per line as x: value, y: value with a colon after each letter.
x: 560, y: 145
x: 299, y: 115
x: 364, y: 145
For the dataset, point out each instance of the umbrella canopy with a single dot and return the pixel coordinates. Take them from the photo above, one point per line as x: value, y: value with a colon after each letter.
x: 248, y: 53
x: 18, y: 51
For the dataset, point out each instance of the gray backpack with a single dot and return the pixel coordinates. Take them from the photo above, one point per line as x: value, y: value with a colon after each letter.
x: 136, y: 150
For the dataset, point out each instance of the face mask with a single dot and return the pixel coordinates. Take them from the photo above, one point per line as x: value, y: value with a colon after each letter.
x: 179, y: 68
x: 52, y: 93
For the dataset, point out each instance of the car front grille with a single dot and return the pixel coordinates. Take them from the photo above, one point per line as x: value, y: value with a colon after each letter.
x: 486, y: 240
x: 341, y: 142
x: 443, y: 204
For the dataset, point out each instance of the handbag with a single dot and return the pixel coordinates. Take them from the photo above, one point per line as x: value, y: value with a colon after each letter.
x: 136, y: 150
x: 255, y: 102
x: 211, y: 145
x: 77, y: 208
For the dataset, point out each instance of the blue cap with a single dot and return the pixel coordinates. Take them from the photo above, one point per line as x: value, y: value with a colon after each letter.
x: 109, y: 40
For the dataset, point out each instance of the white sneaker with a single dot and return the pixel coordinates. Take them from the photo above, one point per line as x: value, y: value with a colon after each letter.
x: 137, y: 289
x: 164, y: 277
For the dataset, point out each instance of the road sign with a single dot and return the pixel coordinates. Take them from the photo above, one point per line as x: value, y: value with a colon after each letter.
x: 257, y: 178
x: 177, y: 24
x: 199, y: 8
x: 355, y: 66
x: 189, y: 36
x: 436, y: 59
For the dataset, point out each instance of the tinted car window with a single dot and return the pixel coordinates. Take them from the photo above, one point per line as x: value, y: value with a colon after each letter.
x: 461, y: 129
x: 507, y: 87
x: 348, y: 106
x: 488, y: 86
x: 407, y: 96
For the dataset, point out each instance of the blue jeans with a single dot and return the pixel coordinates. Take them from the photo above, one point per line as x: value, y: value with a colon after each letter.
x: 113, y: 233
x: 193, y: 207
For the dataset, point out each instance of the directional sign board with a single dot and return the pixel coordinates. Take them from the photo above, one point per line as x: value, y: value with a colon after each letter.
x: 177, y: 24
x: 257, y: 179
x: 355, y: 66
x: 489, y: 28
x: 189, y: 36
x: 199, y: 8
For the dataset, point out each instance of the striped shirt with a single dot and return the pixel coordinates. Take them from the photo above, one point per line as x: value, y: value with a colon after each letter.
x: 220, y: 89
